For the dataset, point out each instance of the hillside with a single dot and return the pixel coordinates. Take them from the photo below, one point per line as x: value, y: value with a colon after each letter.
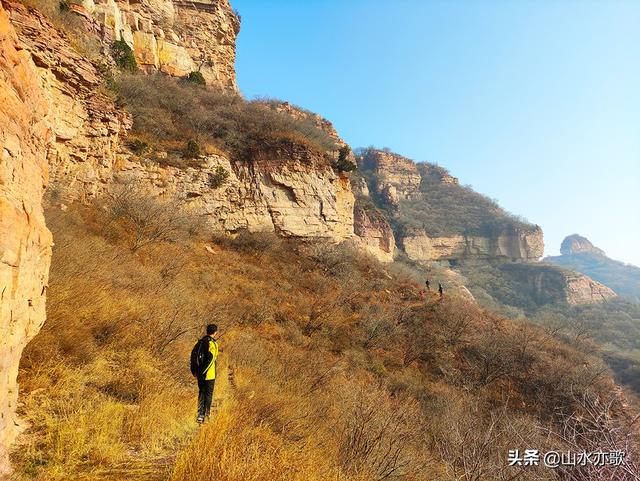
x: 580, y: 255
x: 340, y: 369
x: 173, y: 202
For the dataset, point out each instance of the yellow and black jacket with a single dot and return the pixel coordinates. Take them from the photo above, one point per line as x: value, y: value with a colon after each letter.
x: 209, y: 373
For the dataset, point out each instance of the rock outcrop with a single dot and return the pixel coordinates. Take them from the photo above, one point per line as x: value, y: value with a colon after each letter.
x: 548, y: 284
x: 581, y: 289
x: 294, y: 194
x: 580, y: 255
x: 25, y: 242
x: 576, y: 244
x: 172, y: 36
x: 396, y: 177
x: 373, y: 232
x: 395, y: 181
x: 517, y: 245
x: 87, y: 125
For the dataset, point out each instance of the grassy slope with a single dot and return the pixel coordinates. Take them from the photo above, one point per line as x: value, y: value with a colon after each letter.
x: 341, y: 370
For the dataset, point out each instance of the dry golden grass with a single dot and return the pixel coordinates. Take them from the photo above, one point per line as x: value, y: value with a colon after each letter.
x: 340, y: 370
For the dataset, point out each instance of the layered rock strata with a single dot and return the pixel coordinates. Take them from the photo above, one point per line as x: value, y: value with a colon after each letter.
x: 373, y: 233
x: 294, y: 195
x: 25, y: 242
x: 175, y: 37
x: 510, y: 245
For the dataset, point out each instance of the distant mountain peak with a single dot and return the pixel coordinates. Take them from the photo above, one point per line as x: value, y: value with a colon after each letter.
x: 576, y: 244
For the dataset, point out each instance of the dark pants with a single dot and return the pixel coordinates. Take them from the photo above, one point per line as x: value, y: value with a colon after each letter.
x: 205, y: 396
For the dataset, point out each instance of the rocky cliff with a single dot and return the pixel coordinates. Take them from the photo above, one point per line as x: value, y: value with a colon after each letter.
x: 373, y: 232
x: 520, y: 245
x: 294, y: 194
x: 547, y: 284
x: 396, y: 178
x: 175, y: 37
x: 87, y: 125
x: 25, y: 242
x: 436, y: 219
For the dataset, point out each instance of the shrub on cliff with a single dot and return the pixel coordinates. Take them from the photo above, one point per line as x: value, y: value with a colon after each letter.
x: 192, y: 149
x: 218, y: 177
x: 123, y: 56
x: 196, y: 77
x: 171, y: 112
x: 344, y: 163
x: 138, y: 146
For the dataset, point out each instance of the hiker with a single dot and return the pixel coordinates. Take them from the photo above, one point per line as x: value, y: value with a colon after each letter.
x: 203, y: 368
x: 428, y: 284
x: 440, y: 289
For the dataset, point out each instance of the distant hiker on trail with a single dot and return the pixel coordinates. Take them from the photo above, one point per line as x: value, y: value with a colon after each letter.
x: 203, y: 368
x: 440, y: 289
x: 428, y: 284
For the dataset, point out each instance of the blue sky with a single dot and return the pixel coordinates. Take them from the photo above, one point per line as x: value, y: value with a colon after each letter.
x: 534, y: 103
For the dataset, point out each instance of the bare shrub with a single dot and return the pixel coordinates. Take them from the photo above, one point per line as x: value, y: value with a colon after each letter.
x: 599, y: 425
x: 474, y: 444
x: 380, y: 435
x: 143, y: 219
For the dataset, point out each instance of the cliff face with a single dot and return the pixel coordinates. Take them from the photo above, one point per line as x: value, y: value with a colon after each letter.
x: 406, y: 190
x: 581, y: 289
x: 175, y: 37
x: 548, y: 284
x: 296, y: 195
x: 87, y: 125
x: 373, y: 232
x: 515, y: 245
x: 396, y: 177
x: 25, y: 242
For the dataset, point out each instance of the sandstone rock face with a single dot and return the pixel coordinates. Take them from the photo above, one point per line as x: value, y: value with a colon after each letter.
x: 515, y: 245
x: 576, y: 244
x: 437, y: 173
x: 374, y: 234
x: 294, y: 195
x: 582, y: 289
x: 25, y: 242
x: 548, y: 284
x: 397, y: 180
x: 87, y: 126
x: 172, y: 36
x: 397, y: 177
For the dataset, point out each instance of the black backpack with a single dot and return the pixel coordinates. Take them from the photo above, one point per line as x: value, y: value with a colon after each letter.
x: 201, y: 356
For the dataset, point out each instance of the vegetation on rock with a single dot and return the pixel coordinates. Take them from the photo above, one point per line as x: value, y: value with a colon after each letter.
x: 123, y: 56
x: 218, y: 178
x: 344, y: 163
x: 167, y: 111
x: 196, y: 77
